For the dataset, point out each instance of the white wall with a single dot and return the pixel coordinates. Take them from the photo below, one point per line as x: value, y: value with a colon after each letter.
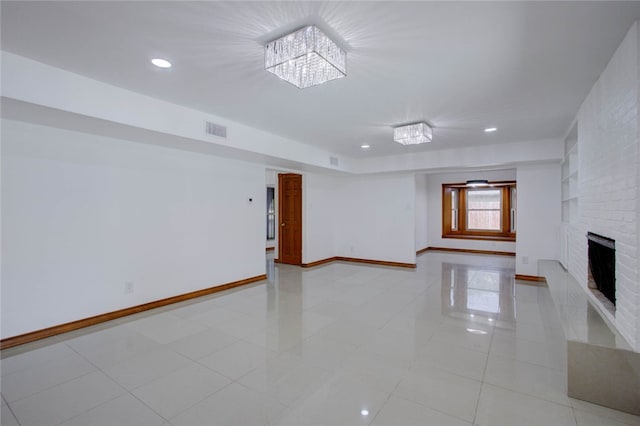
x: 368, y: 217
x: 422, y: 182
x: 608, y: 180
x: 83, y: 215
x: 320, y: 216
x: 434, y: 209
x: 538, y: 216
x: 376, y: 218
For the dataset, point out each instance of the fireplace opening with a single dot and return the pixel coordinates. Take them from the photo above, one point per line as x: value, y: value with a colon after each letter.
x: 602, y: 265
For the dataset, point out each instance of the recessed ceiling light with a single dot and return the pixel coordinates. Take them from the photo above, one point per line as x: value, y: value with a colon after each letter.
x: 364, y: 412
x: 365, y: 146
x: 490, y: 129
x: 161, y: 63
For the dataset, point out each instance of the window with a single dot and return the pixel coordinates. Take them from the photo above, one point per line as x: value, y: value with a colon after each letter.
x: 483, y: 209
x: 482, y: 213
x: 271, y: 214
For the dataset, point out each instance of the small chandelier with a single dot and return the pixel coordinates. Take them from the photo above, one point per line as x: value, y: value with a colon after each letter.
x: 412, y: 134
x: 474, y: 183
x: 305, y: 58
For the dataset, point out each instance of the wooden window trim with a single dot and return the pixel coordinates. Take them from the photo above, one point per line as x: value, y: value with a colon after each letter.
x: 462, y: 232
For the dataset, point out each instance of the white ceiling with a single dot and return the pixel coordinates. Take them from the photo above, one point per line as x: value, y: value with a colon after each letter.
x: 461, y: 66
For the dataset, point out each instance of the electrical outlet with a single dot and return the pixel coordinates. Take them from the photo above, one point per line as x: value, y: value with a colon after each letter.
x: 128, y: 287
x: 525, y: 260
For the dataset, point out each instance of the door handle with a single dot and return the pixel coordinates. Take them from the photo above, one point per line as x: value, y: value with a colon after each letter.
x: 282, y: 224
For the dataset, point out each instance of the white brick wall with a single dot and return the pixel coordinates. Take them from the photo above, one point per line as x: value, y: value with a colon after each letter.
x: 608, y: 180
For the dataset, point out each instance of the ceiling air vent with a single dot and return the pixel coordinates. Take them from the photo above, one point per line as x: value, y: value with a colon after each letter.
x: 215, y: 129
x: 333, y: 161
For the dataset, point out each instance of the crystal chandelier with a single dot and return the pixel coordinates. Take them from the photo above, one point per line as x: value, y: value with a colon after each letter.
x: 412, y: 134
x: 305, y: 58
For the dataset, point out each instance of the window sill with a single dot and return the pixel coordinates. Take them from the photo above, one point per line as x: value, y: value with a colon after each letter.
x: 482, y: 237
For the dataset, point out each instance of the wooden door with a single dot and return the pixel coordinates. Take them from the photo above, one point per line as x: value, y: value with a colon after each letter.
x: 290, y: 210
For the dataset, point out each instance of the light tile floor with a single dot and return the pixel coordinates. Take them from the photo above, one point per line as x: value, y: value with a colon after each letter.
x: 454, y: 342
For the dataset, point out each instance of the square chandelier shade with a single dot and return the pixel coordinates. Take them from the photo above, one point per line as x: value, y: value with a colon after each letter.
x: 305, y: 58
x: 412, y: 134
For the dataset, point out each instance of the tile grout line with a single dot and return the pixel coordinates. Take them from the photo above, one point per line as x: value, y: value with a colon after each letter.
x: 518, y: 391
x: 573, y: 414
x: 127, y: 391
x: 593, y: 413
x: 528, y: 363
x: 432, y: 408
x: 484, y: 372
x: 385, y: 402
x: 556, y: 370
x: 528, y: 395
x: 194, y: 404
x: 130, y: 392
x: 449, y: 372
x: 50, y: 387
x: 12, y: 413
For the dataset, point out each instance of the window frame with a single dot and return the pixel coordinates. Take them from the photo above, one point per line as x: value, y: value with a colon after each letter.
x: 507, y: 218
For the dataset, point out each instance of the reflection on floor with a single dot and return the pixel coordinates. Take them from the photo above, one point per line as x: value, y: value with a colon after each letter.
x: 454, y: 342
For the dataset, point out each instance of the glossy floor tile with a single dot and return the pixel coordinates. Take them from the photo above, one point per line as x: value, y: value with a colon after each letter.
x: 454, y: 342
x: 181, y: 389
x: 397, y: 411
x: 125, y: 410
x: 502, y: 407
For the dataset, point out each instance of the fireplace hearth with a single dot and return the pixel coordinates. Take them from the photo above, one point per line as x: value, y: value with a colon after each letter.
x: 602, y: 265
